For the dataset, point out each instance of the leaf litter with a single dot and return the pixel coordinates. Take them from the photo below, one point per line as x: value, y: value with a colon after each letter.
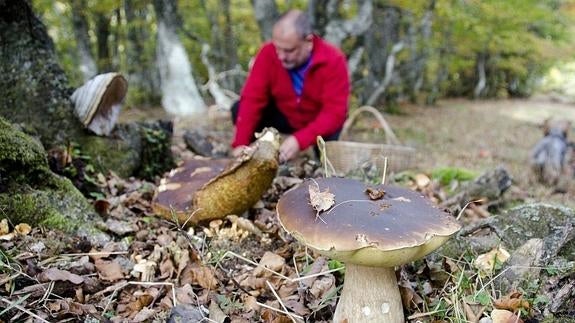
x: 238, y: 269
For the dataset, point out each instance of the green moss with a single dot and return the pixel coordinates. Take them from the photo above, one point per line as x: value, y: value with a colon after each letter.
x: 120, y: 154
x: 30, y: 192
x: 156, y: 153
x: 562, y: 319
x: 18, y: 151
x: 53, y: 209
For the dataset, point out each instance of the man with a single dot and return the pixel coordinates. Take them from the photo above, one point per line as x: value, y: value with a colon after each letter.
x: 298, y: 84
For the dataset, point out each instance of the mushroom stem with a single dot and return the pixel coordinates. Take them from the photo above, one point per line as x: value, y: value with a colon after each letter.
x: 370, y: 294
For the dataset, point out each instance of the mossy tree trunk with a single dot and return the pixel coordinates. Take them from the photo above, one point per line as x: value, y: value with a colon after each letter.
x: 34, y: 101
x: 36, y: 95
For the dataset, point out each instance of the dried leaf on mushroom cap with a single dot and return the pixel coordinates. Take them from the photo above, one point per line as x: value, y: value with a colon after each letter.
x: 320, y: 201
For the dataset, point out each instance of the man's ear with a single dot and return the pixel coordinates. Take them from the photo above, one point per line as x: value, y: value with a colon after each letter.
x: 309, y: 40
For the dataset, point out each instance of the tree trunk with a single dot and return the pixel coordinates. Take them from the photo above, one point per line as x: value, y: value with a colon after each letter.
x: 266, y: 13
x: 142, y: 74
x: 36, y: 96
x: 80, y: 25
x: 379, y: 42
x: 320, y: 13
x: 103, y: 47
x: 389, y: 68
x: 229, y: 46
x: 337, y: 30
x: 180, y: 95
x: 481, y: 75
x: 419, y: 36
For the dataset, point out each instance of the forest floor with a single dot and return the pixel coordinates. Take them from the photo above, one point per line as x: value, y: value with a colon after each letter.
x: 480, y: 135
x: 218, y: 269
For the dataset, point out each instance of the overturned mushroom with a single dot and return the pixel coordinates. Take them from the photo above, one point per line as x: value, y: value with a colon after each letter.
x: 371, y: 233
x: 209, y: 189
x: 97, y: 103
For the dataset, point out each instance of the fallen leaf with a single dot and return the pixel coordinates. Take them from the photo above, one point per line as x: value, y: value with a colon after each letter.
x: 23, y: 229
x: 320, y: 201
x: 145, y: 269
x: 487, y: 261
x: 143, y: 315
x: 109, y: 270
x: 270, y: 261
x: 504, y: 316
x: 375, y: 194
x: 55, y: 274
x: 4, y: 228
x: 199, y: 275
x: 512, y: 302
x: 322, y: 286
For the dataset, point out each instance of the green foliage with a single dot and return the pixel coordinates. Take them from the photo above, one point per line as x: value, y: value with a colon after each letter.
x: 334, y: 264
x: 520, y: 40
x: 156, y: 156
x: 447, y: 175
x: 228, y: 305
x: 516, y: 36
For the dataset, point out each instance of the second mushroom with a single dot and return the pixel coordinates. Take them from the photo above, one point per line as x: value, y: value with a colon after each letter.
x: 372, y: 230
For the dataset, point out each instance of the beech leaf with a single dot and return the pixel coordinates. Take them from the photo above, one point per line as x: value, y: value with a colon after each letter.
x: 320, y: 201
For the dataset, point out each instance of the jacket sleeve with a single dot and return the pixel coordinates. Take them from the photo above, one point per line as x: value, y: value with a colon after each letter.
x: 253, y: 99
x: 334, y: 107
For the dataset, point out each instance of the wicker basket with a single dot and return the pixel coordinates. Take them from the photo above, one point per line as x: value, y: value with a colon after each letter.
x: 344, y: 156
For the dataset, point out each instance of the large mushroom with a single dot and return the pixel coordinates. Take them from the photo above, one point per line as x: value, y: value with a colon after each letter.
x: 371, y: 229
x: 205, y: 189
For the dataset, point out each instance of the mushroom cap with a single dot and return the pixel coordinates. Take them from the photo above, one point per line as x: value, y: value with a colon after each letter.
x: 175, y: 193
x: 102, y: 95
x: 395, y: 229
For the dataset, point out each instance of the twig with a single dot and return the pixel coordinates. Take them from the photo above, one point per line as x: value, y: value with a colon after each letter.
x: 22, y: 309
x: 253, y: 263
x: 464, y: 207
x: 48, y: 292
x: 276, y: 309
x: 384, y: 170
x: 340, y: 203
x: 418, y: 315
x: 290, y: 315
x: 276, y: 273
x: 317, y: 274
x: 295, y: 265
x: 99, y: 253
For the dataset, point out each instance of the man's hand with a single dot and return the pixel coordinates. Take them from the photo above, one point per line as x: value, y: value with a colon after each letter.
x: 288, y: 149
x: 237, y: 151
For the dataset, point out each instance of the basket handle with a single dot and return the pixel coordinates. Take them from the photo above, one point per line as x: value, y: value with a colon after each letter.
x: 389, y: 134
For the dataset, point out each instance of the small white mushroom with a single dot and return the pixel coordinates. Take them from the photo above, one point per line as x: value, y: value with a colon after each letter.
x: 98, y: 102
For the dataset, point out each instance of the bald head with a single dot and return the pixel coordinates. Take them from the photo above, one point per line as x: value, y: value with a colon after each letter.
x: 292, y: 38
x: 294, y: 21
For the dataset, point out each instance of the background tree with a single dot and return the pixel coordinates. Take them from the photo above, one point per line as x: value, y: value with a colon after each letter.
x: 81, y: 28
x: 440, y: 48
x: 36, y: 96
x: 180, y: 95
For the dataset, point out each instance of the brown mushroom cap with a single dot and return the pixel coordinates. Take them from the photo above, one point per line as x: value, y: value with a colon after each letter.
x: 400, y: 227
x: 175, y: 193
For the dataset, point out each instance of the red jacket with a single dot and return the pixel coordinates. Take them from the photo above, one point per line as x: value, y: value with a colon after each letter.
x: 322, y: 107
